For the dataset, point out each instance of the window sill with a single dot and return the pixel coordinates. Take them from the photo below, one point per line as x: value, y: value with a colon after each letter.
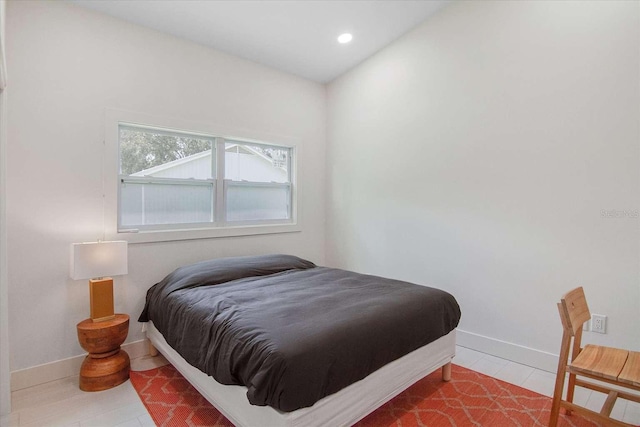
x: 150, y: 236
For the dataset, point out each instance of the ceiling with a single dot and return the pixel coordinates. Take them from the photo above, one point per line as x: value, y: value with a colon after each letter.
x: 297, y: 37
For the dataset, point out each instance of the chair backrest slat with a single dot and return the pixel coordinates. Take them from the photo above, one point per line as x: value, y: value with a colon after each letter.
x: 574, y: 310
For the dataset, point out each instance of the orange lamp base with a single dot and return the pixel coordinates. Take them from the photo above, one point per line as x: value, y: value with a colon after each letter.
x: 101, y: 299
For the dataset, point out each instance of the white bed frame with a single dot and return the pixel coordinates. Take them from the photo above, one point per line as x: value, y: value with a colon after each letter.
x: 343, y: 408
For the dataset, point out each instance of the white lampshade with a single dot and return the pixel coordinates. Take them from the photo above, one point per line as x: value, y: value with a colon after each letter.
x: 98, y: 259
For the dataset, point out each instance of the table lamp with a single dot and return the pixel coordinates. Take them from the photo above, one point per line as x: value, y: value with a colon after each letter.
x: 96, y: 261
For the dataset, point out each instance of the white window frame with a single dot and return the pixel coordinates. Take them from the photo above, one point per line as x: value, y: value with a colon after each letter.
x: 220, y: 134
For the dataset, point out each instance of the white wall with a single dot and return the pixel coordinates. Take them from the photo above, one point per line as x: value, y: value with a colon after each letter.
x: 67, y: 65
x: 5, y: 378
x: 476, y: 154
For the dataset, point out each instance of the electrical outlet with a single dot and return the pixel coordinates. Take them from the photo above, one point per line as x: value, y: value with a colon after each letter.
x: 599, y: 323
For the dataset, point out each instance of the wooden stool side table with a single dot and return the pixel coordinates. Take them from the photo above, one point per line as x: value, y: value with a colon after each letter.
x: 106, y: 365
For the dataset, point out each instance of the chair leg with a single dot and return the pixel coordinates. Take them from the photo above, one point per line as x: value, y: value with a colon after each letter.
x: 557, y: 397
x: 560, y: 376
x: 571, y: 387
x: 575, y: 351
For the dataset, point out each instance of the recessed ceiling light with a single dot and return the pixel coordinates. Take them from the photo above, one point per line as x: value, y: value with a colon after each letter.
x: 345, y: 38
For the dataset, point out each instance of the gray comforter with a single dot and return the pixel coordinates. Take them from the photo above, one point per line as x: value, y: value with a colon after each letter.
x: 292, y: 332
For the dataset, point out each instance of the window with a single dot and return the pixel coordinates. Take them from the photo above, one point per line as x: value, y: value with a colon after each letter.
x: 257, y: 182
x: 179, y: 180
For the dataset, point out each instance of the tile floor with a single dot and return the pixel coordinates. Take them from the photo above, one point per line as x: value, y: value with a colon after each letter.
x: 61, y: 403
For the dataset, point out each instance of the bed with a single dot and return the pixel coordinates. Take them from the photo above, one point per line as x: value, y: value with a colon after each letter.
x: 276, y: 340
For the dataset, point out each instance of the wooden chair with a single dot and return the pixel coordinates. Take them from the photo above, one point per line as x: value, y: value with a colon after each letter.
x: 604, y: 364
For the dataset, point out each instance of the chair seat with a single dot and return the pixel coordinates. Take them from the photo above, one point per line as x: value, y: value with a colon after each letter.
x: 631, y: 372
x: 605, y: 362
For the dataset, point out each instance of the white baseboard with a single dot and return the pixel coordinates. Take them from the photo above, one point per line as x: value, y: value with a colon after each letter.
x: 506, y: 350
x: 59, y: 369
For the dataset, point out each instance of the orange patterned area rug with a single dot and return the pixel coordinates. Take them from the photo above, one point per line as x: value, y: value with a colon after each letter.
x: 469, y: 399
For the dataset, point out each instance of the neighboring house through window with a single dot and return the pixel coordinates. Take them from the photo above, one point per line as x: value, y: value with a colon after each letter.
x: 179, y: 180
